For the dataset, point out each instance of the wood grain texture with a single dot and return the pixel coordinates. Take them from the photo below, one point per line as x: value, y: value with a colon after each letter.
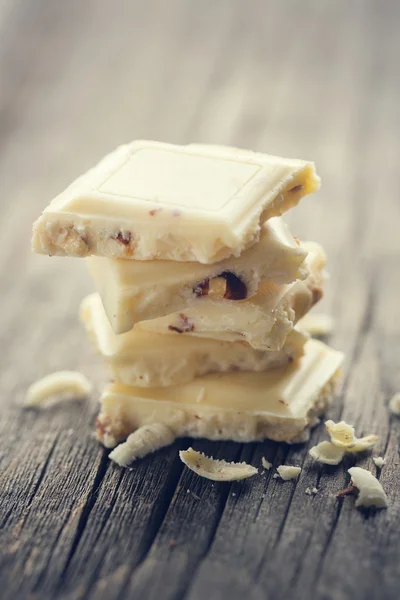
x: 314, y: 79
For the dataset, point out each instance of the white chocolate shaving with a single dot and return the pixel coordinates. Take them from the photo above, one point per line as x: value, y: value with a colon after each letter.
x: 379, y: 461
x: 370, y: 491
x: 265, y: 463
x: 343, y: 435
x: 364, y: 443
x: 71, y: 383
x: 287, y: 472
x: 317, y: 324
x: 217, y: 470
x: 145, y: 440
x: 327, y: 453
x: 394, y: 404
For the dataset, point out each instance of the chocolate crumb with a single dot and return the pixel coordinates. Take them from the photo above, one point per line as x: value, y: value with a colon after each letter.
x: 154, y: 211
x: 235, y: 288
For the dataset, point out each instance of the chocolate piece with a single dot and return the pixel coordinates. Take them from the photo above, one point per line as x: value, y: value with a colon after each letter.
x: 243, y: 407
x: 184, y: 203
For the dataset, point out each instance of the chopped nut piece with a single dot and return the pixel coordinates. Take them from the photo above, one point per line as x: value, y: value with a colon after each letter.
x: 70, y: 383
x: 225, y: 285
x: 217, y: 287
x: 317, y: 325
x: 124, y: 237
x: 185, y: 325
x: 73, y: 242
x: 394, y: 404
x: 217, y: 470
x: 144, y: 440
x: 370, y: 490
x: 287, y: 472
x: 347, y: 492
x: 266, y: 464
x: 327, y: 453
x: 379, y: 461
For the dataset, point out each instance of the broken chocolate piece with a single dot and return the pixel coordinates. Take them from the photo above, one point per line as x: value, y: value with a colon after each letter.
x: 224, y: 195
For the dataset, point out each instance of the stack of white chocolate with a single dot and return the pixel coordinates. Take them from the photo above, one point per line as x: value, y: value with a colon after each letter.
x: 200, y: 285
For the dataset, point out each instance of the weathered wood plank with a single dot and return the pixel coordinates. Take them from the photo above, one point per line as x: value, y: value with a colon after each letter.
x: 312, y: 79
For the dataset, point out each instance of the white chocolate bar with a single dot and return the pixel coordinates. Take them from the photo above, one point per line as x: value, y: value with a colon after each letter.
x: 263, y: 321
x: 279, y: 404
x: 149, y: 200
x: 144, y: 358
x: 134, y: 291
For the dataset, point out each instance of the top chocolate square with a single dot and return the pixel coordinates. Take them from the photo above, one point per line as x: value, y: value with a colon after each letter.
x: 149, y: 200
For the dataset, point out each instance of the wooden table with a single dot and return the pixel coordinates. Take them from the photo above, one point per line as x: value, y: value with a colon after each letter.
x: 313, y: 79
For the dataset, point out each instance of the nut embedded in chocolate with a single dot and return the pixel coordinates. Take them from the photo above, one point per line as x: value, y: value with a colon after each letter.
x: 185, y: 325
x: 235, y: 288
x: 123, y: 238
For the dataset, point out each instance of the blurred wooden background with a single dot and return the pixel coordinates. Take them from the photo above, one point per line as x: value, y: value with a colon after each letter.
x: 316, y: 79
